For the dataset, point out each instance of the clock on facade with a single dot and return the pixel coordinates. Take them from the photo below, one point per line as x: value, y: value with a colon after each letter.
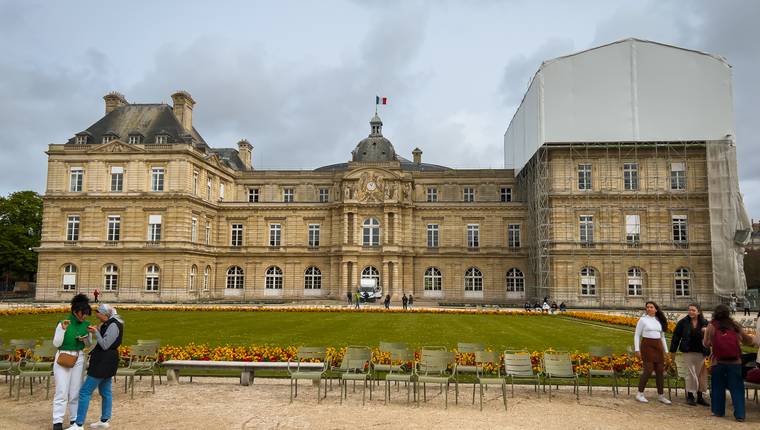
x: 371, y: 186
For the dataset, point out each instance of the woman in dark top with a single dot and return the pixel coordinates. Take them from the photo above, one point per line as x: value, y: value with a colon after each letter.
x: 104, y: 360
x: 687, y: 338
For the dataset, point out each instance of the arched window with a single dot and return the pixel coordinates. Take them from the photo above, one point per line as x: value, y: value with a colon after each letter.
x: 370, y: 272
x: 235, y: 278
x: 273, y: 279
x: 473, y: 279
x: 69, y: 277
x: 152, y: 277
x: 191, y: 278
x: 206, y: 273
x: 110, y: 277
x: 515, y: 281
x: 432, y: 280
x: 588, y: 281
x: 635, y: 281
x: 312, y: 278
x: 683, y: 282
x: 371, y: 232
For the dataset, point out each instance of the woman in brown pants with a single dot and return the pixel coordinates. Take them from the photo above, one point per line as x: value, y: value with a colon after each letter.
x: 650, y: 344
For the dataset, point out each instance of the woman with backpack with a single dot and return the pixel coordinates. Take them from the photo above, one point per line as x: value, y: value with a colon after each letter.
x: 650, y: 345
x: 724, y: 336
x: 687, y: 338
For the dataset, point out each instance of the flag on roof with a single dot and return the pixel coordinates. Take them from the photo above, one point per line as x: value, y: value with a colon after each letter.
x: 381, y: 100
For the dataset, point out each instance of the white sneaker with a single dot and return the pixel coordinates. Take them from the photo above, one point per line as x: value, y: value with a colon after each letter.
x: 640, y: 397
x: 100, y: 425
x: 664, y: 399
x: 75, y: 427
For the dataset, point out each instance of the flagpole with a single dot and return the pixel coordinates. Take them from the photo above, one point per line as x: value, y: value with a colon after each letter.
x: 376, y: 105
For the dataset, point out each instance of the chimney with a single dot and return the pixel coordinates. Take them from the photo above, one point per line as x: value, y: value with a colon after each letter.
x: 244, y: 150
x: 183, y: 109
x: 417, y: 156
x: 113, y: 100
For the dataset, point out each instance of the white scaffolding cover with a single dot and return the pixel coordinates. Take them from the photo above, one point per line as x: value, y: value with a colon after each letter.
x: 628, y: 91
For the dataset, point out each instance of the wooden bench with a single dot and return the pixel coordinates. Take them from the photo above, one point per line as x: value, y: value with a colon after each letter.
x: 247, y: 369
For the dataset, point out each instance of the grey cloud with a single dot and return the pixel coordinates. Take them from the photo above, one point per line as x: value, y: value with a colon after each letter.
x: 520, y: 70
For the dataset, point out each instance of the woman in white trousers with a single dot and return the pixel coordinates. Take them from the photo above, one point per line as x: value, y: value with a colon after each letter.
x: 71, y: 337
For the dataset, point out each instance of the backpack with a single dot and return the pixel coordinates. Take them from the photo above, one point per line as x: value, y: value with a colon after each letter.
x: 753, y: 376
x: 725, y: 344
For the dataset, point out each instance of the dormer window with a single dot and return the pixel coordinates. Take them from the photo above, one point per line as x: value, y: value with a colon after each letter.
x: 107, y: 138
x: 162, y: 138
x: 81, y: 139
x: 135, y: 139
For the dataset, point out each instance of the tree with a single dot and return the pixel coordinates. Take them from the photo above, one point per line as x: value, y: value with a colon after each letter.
x: 20, y: 231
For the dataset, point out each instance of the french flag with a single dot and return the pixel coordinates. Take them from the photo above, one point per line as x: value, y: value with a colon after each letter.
x: 381, y: 100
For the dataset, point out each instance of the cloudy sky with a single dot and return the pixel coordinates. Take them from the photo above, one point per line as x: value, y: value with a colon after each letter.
x: 298, y: 79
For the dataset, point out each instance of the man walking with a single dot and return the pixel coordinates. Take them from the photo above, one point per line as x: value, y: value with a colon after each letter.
x: 404, y: 301
x: 387, y: 301
x: 349, y: 296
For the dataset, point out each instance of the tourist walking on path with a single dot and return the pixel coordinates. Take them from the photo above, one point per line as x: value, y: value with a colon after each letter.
x: 404, y: 301
x: 387, y: 301
x: 650, y: 345
x: 733, y: 303
x: 724, y: 336
x: 410, y: 301
x: 349, y: 296
x: 71, y: 336
x: 747, y: 306
x: 96, y: 294
x: 687, y: 338
x: 357, y: 298
x: 104, y: 360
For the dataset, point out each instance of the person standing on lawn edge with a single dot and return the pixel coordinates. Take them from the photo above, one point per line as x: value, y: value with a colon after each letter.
x: 687, y: 338
x: 71, y: 337
x: 104, y: 360
x: 650, y: 345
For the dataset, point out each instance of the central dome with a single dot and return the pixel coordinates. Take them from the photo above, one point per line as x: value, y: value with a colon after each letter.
x: 375, y: 147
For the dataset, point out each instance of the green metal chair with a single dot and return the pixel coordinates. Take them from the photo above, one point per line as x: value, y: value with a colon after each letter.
x: 157, y: 344
x: 358, y: 367
x: 518, y: 365
x: 488, y: 372
x: 385, y: 348
x: 296, y: 372
x: 400, y: 370
x: 559, y: 365
x: 602, y: 352
x: 38, y: 365
x: 141, y: 363
x: 464, y: 351
x: 437, y: 367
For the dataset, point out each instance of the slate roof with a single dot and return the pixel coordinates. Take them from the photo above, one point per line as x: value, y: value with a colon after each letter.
x: 147, y: 120
x: 406, y: 165
x: 229, y: 156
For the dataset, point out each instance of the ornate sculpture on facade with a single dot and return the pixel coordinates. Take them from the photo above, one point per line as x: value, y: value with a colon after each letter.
x: 370, y: 187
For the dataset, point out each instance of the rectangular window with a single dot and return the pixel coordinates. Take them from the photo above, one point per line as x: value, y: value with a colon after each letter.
x: 588, y: 284
x: 162, y: 138
x: 513, y: 235
x: 432, y: 194
x: 469, y: 194
x: 237, y: 235
x: 107, y: 138
x: 313, y: 235
x: 506, y: 194
x: 473, y: 235
x: 76, y: 179
x: 584, y: 176
x: 324, y: 195
x: 157, y: 179
x: 631, y: 176
x: 221, y: 191
x: 275, y: 232
x: 81, y: 140
x: 208, y: 232
x: 117, y: 179
x: 209, y: 184
x: 114, y: 228
x: 432, y: 235
x: 154, y: 228
x: 253, y: 195
x: 677, y: 176
x: 680, y: 230
x: 632, y: 229
x: 194, y: 230
x: 586, y: 229
x: 196, y: 174
x: 135, y: 139
x: 72, y: 228
x: 287, y: 195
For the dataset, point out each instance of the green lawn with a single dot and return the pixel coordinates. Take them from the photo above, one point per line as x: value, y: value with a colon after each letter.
x: 340, y: 329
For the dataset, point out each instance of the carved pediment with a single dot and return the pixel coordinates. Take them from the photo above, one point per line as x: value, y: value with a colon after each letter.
x: 116, y: 146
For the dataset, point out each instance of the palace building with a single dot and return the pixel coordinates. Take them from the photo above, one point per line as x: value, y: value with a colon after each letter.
x: 615, y: 193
